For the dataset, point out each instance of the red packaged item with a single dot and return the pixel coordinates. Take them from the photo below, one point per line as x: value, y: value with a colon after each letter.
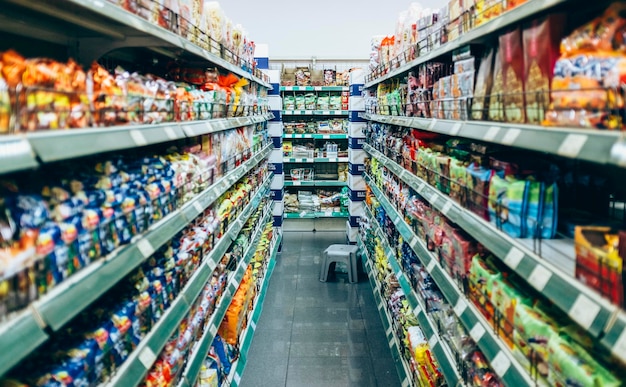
x: 541, y: 51
x: 512, y: 61
x: 482, y: 89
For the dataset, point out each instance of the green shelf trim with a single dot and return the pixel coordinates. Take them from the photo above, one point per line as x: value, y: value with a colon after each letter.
x: 80, y: 290
x: 136, y: 366
x: 195, y: 361
x: 20, y: 337
x: 601, y: 319
x: 315, y: 112
x: 238, y: 368
x: 316, y: 136
x: 505, y: 364
x: 316, y: 160
x: 314, y: 88
x: 316, y: 183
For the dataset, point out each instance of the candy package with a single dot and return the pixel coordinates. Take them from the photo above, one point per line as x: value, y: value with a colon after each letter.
x: 482, y: 90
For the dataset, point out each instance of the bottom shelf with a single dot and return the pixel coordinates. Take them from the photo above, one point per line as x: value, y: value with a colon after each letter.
x: 234, y: 378
x: 316, y: 215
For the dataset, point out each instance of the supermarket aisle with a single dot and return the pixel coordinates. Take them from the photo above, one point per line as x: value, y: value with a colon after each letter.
x: 317, y: 334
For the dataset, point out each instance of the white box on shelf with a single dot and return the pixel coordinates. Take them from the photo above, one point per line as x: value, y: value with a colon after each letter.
x: 278, y: 182
x: 275, y: 102
x: 356, y: 182
x: 276, y: 156
x: 351, y: 232
x: 355, y: 208
x: 279, y: 208
x: 357, y: 104
x: 355, y: 129
x: 357, y: 156
x: 275, y: 128
x: 357, y: 77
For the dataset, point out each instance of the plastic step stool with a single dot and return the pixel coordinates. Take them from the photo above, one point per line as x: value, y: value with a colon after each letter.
x: 340, y: 253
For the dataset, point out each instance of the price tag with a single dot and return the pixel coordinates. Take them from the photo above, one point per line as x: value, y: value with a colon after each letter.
x: 513, y: 257
x: 416, y: 310
x: 584, y: 311
x: 328, y: 213
x: 572, y: 145
x: 326, y: 112
x: 198, y: 206
x: 333, y: 160
x: 477, y: 332
x: 431, y: 265
x: 491, y: 134
x: 539, y: 277
x: 446, y: 208
x: 414, y: 242
x: 433, y: 341
x: 434, y: 196
x: 297, y: 183
x: 455, y: 129
x: 170, y: 133
x: 237, y: 379
x: 326, y: 136
x: 138, y: 137
x: 253, y: 326
x: 511, y: 136
x: 317, y: 88
x: 213, y: 329
x: 500, y: 364
x: 145, y: 248
x: 147, y: 358
x: 460, y: 307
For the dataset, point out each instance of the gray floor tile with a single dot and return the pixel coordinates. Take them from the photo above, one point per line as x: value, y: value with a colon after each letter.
x: 264, y: 369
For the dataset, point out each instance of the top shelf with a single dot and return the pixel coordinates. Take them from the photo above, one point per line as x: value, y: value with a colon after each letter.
x: 516, y: 15
x: 314, y: 88
x: 102, y: 26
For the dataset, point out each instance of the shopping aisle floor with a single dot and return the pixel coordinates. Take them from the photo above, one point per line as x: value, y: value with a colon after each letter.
x: 312, y: 333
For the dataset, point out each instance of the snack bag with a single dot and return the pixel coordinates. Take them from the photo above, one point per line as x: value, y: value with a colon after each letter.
x: 482, y: 90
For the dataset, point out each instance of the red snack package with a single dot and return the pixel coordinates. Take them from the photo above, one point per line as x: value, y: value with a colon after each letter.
x: 512, y: 57
x: 541, y: 51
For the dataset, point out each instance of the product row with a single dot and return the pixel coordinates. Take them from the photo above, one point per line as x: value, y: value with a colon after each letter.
x: 537, y: 74
x: 306, y: 76
x: 524, y: 197
x: 547, y: 343
x: 334, y: 126
x: 308, y: 148
x: 316, y: 201
x: 328, y: 172
x: 470, y: 361
x: 316, y: 101
x: 61, y: 218
x: 40, y: 94
x: 167, y: 288
x: 420, y: 30
x: 203, y: 23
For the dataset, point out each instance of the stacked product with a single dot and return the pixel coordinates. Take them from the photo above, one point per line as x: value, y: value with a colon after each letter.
x: 333, y: 126
x: 546, y: 342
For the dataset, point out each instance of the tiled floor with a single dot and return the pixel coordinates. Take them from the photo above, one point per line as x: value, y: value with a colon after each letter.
x: 312, y: 333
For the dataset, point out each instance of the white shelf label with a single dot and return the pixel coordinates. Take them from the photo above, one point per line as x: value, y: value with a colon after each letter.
x: 333, y: 160
x: 513, y: 257
x: 237, y: 379
x: 170, y: 133
x: 501, y: 363
x: 147, y: 358
x: 138, y: 137
x: 619, y: 349
x: 328, y: 213
x: 326, y: 136
x: 446, y: 208
x: 584, y: 311
x: 491, y: 133
x: 198, y: 206
x: 253, y: 326
x: 145, y: 248
x: 539, y: 277
x: 432, y: 124
x: 432, y: 341
x: 511, y: 136
x: 431, y: 265
x: 477, y: 332
x: 213, y: 329
x: 327, y: 112
x: 417, y: 310
x: 388, y: 332
x: 434, y: 196
x: 572, y: 145
x: 297, y: 183
x: 399, y: 274
x: 414, y: 242
x: 460, y: 307
x: 456, y: 128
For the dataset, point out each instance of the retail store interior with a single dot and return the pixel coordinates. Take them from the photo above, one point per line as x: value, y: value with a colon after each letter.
x: 206, y: 194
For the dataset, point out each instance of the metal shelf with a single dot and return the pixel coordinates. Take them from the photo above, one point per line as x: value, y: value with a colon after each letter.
x: 584, y: 144
x: 316, y: 183
x: 317, y: 136
x: 316, y: 215
x: 134, y: 369
x: 314, y: 88
x: 514, y: 16
x: 601, y: 319
x: 315, y: 160
x: 503, y: 362
x: 103, y: 26
x: 315, y: 112
x: 195, y: 361
x: 16, y: 154
x: 26, y: 331
x: 238, y: 367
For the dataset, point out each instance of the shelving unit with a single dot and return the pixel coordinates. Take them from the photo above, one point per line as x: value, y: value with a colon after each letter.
x: 91, y: 30
x: 504, y: 363
x: 314, y: 112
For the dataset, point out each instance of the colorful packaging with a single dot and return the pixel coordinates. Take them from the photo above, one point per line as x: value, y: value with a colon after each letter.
x: 482, y: 90
x: 512, y: 58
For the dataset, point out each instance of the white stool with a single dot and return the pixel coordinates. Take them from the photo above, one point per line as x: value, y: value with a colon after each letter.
x: 340, y: 253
